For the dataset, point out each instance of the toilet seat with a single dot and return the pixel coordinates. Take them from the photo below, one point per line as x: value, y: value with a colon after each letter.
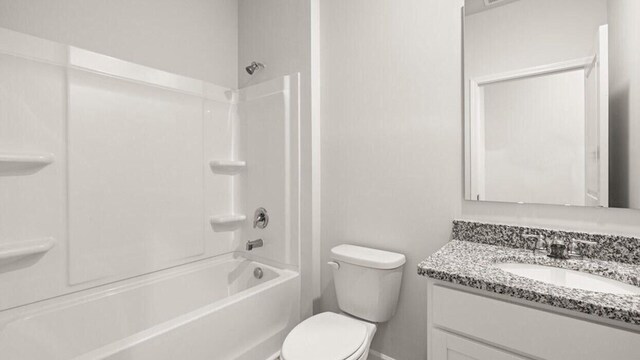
x: 326, y: 336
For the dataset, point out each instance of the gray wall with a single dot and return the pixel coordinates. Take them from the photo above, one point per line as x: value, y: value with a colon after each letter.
x: 392, y: 148
x: 196, y: 38
x: 531, y: 33
x: 391, y: 142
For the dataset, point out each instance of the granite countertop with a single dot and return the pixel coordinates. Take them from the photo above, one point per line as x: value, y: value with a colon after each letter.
x: 469, y: 263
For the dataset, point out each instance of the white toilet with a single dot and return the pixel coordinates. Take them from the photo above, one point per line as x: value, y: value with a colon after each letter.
x: 367, y: 285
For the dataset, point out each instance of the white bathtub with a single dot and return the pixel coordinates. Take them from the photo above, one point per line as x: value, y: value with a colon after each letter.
x: 212, y: 309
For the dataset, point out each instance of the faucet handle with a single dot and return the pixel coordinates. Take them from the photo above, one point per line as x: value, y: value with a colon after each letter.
x: 575, y: 251
x: 540, y: 241
x: 585, y: 242
x: 260, y: 218
x: 536, y: 237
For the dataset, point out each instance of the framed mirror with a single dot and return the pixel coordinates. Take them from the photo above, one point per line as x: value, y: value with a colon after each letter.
x: 552, y: 97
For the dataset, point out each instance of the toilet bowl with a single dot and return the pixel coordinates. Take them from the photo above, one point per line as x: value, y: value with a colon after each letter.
x: 367, y: 285
x: 329, y: 336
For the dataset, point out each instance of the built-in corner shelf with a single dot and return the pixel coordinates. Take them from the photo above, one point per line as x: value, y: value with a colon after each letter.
x: 228, y: 219
x: 23, y: 164
x: 228, y: 167
x: 22, y: 249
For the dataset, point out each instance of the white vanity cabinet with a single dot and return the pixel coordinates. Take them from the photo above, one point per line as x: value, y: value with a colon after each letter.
x: 475, y: 325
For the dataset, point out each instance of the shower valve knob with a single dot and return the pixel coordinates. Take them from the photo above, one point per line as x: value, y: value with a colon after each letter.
x: 260, y: 218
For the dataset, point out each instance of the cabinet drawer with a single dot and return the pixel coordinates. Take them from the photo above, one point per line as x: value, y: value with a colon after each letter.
x: 530, y: 331
x: 451, y: 347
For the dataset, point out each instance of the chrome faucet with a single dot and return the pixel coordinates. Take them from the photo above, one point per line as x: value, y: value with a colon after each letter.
x: 254, y: 244
x: 557, y: 248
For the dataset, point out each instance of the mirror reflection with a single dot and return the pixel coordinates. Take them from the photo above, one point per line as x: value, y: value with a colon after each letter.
x: 551, y: 112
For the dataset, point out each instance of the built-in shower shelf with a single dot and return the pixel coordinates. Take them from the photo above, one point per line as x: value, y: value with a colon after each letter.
x: 227, y: 166
x: 18, y: 250
x: 228, y: 219
x: 22, y: 164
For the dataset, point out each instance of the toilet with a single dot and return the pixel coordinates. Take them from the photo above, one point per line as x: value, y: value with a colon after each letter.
x: 367, y: 283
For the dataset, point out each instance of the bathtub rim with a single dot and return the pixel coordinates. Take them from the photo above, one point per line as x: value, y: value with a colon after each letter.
x: 184, y: 319
x: 44, y: 306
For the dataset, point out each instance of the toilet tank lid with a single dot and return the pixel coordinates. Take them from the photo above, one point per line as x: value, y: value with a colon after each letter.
x: 367, y: 257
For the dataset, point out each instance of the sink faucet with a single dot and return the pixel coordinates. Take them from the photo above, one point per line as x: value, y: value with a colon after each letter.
x: 254, y: 244
x: 557, y: 248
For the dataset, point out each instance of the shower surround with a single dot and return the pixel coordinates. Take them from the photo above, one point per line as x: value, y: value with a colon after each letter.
x: 115, y: 171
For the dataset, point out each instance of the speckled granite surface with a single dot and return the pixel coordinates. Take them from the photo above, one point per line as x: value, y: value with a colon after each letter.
x: 610, y: 247
x: 469, y: 263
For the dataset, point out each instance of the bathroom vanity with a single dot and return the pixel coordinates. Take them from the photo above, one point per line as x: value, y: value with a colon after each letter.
x: 539, y: 130
x: 490, y: 297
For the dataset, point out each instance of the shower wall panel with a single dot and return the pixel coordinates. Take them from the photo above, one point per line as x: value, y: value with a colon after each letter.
x: 117, y: 180
x: 120, y: 169
x: 220, y: 190
x: 136, y: 198
x: 269, y: 116
x: 32, y: 118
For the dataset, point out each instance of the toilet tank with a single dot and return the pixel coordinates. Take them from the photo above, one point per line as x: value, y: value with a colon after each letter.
x: 367, y: 281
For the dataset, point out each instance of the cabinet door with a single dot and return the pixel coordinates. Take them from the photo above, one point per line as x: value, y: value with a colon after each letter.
x: 451, y: 347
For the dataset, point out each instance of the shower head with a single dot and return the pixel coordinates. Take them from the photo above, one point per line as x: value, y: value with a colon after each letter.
x: 253, y: 67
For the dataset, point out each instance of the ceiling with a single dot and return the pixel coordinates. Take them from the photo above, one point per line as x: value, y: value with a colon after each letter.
x: 476, y: 6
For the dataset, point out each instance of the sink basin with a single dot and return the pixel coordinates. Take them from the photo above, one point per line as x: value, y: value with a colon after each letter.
x: 569, y: 278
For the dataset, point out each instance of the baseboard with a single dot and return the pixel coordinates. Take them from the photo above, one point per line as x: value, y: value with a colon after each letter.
x: 374, y: 355
x: 275, y: 356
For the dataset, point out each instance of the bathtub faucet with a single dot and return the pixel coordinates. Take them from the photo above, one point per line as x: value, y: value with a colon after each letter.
x: 254, y: 244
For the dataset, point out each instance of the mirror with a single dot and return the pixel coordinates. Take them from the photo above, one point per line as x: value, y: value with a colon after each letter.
x: 552, y: 97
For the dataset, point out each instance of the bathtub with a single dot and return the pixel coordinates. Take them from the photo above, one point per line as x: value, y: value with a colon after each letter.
x: 211, y: 309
